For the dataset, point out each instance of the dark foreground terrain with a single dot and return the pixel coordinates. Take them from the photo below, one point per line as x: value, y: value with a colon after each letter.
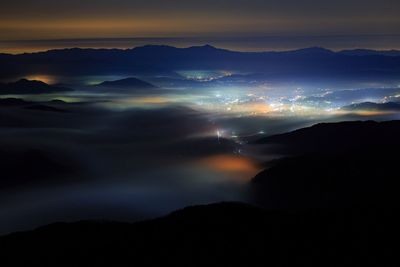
x: 226, y: 234
x: 332, y: 200
x: 346, y: 164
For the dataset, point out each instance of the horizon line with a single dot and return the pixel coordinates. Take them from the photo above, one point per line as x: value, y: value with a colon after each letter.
x: 200, y: 46
x: 256, y: 43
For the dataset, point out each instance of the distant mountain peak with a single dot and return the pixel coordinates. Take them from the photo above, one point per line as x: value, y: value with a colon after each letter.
x: 26, y: 81
x: 206, y: 46
x: 153, y: 47
x: 25, y: 86
x: 130, y: 82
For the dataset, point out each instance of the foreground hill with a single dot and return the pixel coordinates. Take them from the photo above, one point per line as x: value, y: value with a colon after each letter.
x: 226, y: 234
x: 348, y: 164
x: 325, y: 137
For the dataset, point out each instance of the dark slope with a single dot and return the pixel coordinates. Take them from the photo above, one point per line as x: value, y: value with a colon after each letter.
x: 325, y: 137
x: 226, y: 234
x: 24, y: 86
x: 128, y: 83
x: 348, y: 164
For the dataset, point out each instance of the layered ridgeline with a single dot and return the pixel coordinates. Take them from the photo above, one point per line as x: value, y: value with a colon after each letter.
x: 131, y: 82
x: 166, y: 60
x: 34, y: 87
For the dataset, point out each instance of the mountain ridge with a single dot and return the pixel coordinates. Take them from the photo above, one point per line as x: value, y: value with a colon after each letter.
x: 226, y: 234
x: 130, y: 82
x: 25, y: 86
x: 350, y: 52
x: 156, y: 59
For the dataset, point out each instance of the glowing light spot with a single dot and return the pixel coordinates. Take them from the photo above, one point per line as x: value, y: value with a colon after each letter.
x: 43, y: 78
x: 240, y: 168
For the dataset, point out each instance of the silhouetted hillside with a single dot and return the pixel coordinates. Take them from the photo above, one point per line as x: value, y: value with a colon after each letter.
x: 226, y: 234
x: 348, y: 164
x: 325, y: 137
x: 128, y: 83
x: 24, y: 86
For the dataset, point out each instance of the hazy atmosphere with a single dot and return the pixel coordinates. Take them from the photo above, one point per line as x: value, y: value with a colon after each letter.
x: 193, y: 133
x: 241, y: 25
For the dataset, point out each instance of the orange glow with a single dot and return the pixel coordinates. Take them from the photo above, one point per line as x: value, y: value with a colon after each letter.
x: 257, y: 108
x: 37, y: 29
x: 367, y: 113
x: 148, y: 100
x: 241, y: 168
x: 43, y: 78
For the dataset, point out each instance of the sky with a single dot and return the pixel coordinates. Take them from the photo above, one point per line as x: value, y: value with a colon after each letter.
x: 298, y: 23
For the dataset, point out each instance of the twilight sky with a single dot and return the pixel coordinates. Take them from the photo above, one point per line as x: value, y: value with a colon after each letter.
x: 357, y: 22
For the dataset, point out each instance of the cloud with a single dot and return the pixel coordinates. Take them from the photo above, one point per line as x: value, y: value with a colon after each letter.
x: 92, y: 162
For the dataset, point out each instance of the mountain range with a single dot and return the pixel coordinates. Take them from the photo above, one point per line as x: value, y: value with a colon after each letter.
x: 166, y: 60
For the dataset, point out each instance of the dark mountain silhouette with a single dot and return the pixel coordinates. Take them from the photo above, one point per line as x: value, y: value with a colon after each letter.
x: 371, y: 106
x: 311, y: 51
x: 225, y: 234
x: 25, y: 86
x: 128, y: 83
x: 337, y: 136
x: 348, y: 164
x: 165, y: 60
